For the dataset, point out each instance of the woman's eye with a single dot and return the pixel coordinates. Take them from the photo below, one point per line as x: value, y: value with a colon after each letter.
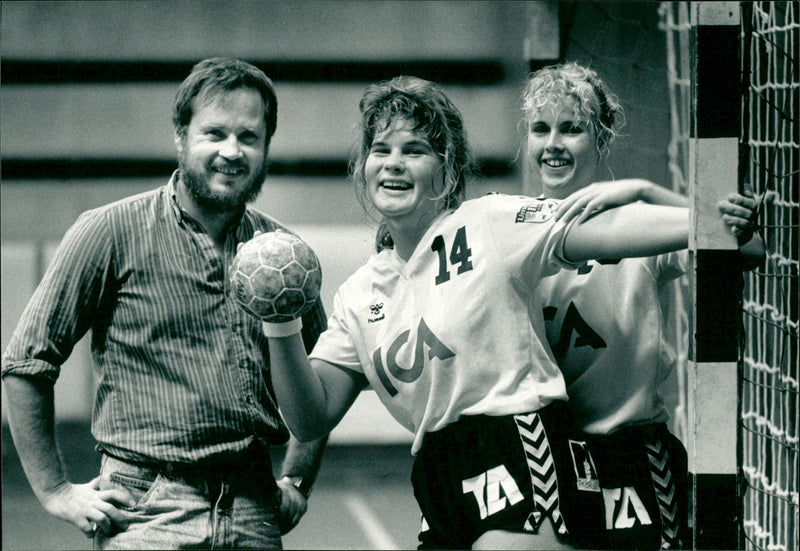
x: 540, y: 129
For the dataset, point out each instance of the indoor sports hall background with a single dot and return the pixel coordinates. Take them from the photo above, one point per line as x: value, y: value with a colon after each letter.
x: 85, y: 119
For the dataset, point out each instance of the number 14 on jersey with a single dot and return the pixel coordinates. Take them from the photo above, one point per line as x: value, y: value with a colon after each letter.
x: 460, y: 254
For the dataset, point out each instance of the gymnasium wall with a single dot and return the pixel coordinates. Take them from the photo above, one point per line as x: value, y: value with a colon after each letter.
x: 85, y: 115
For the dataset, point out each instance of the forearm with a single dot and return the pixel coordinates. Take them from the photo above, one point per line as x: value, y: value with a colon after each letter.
x: 299, y: 390
x: 303, y: 459
x: 659, y: 195
x: 299, y: 470
x: 628, y: 231
x: 600, y: 196
x: 31, y: 418
x: 753, y: 253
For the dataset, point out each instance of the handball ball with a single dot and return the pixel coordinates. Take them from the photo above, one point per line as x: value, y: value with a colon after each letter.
x: 275, y: 277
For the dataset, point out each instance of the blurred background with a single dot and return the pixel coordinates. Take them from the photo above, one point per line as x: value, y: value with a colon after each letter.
x: 85, y: 115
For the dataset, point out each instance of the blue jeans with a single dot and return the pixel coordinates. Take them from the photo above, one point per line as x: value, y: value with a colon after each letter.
x: 211, y: 510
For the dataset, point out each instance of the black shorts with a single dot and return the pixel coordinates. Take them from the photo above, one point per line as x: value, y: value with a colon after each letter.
x: 643, y: 475
x: 479, y: 474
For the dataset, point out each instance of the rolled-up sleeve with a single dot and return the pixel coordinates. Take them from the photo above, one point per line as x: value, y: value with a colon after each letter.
x: 66, y: 303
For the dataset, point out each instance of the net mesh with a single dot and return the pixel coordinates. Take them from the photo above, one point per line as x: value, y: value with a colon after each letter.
x: 769, y: 389
x: 770, y: 137
x: 674, y: 21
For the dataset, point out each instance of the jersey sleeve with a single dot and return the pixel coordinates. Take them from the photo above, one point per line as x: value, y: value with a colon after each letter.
x: 528, y: 239
x: 336, y: 345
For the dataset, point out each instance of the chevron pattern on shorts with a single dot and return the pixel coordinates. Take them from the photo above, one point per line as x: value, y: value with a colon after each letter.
x: 665, y: 494
x: 543, y: 472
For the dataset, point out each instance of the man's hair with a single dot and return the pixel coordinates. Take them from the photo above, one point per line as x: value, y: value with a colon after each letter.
x: 432, y: 114
x: 217, y: 75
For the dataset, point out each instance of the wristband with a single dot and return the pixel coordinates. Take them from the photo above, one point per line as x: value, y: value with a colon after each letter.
x: 285, y: 329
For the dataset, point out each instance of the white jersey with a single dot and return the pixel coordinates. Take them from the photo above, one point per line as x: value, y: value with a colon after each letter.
x: 605, y: 325
x: 448, y: 333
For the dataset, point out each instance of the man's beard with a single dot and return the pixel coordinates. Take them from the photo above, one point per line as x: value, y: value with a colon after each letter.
x: 196, y: 183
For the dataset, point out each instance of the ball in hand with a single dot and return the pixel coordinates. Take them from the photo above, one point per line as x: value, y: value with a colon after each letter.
x: 275, y: 277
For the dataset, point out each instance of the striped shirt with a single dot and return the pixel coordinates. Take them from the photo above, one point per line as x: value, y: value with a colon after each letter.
x: 181, y: 370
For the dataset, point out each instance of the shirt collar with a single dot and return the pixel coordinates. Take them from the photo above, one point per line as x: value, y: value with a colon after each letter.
x: 180, y: 214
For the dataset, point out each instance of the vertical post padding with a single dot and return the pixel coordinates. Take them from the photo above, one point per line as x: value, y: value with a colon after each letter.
x: 713, y: 369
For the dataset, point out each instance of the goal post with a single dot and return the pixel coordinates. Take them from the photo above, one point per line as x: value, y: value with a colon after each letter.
x: 716, y: 279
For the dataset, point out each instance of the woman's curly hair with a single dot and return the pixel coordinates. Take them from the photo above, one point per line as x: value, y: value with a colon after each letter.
x: 593, y: 101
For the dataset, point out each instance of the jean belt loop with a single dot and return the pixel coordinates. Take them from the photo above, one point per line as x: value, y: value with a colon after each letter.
x: 169, y: 469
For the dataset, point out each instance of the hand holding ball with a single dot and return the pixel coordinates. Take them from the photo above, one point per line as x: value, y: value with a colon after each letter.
x: 275, y: 277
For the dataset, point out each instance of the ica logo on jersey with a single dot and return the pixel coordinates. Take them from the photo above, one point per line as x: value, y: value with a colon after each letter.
x: 573, y: 322
x: 423, y: 341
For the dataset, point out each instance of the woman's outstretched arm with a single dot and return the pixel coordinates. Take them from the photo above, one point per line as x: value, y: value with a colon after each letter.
x: 637, y: 229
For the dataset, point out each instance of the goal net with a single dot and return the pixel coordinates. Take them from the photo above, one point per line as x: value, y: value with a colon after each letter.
x: 770, y: 150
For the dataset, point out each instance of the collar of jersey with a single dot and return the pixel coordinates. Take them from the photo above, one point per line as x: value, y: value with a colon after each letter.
x: 422, y: 247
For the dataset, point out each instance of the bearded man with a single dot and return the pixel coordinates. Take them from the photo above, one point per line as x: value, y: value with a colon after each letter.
x: 184, y: 412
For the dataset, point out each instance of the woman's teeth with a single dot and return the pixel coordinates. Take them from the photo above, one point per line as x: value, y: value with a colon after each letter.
x: 396, y: 185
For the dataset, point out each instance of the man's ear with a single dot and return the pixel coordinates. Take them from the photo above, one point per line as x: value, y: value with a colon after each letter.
x: 178, y: 142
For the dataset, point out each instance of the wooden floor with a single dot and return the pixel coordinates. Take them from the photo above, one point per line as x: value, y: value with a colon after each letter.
x: 362, y: 499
